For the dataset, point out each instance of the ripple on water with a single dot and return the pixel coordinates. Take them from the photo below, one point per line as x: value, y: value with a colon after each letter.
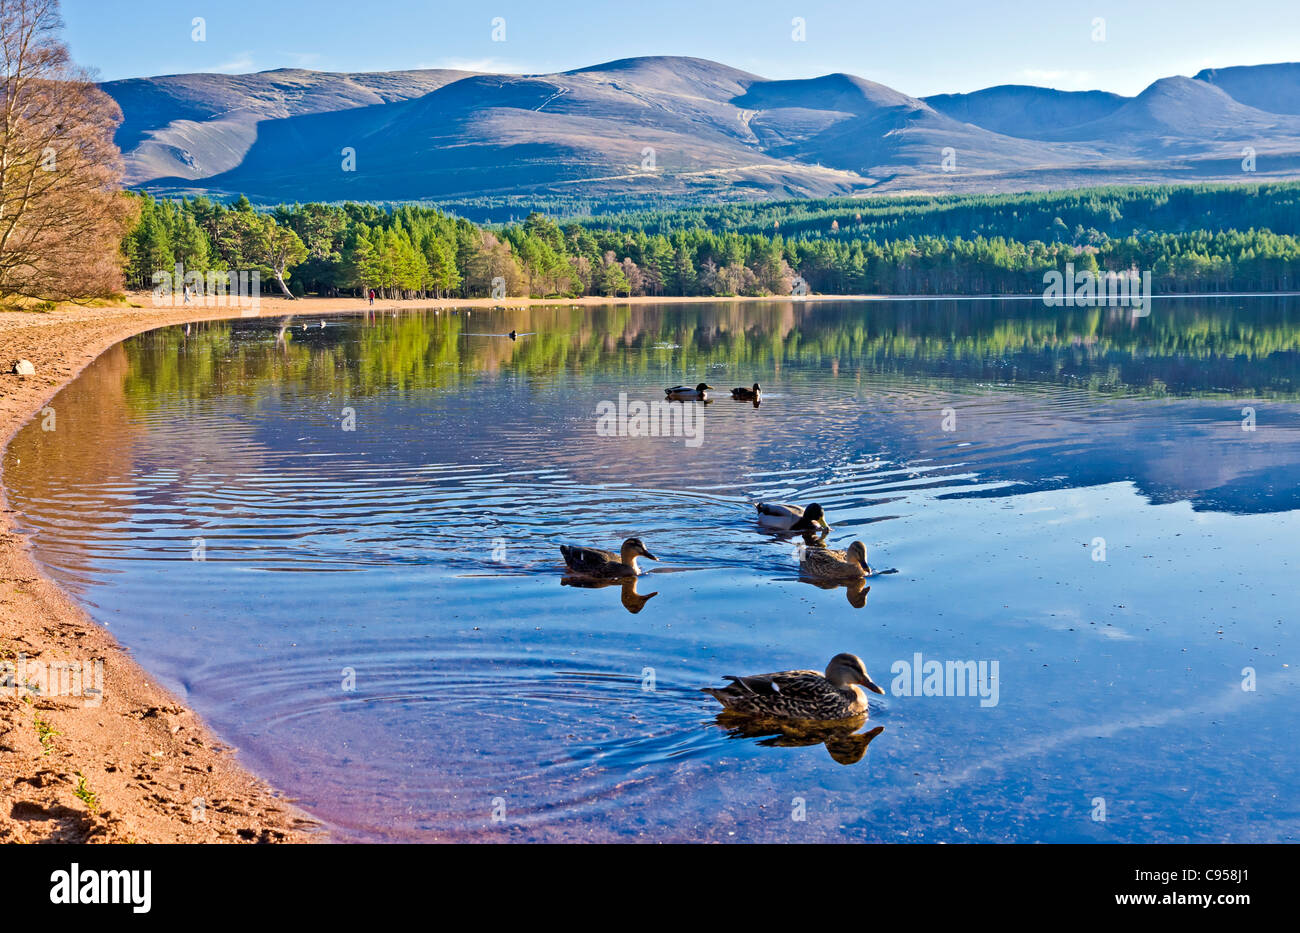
x: 419, y: 553
x: 549, y: 740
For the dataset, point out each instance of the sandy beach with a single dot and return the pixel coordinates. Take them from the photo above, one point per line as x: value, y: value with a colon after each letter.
x: 147, y: 770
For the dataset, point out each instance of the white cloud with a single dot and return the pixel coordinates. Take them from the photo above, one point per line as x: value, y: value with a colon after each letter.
x: 302, y: 59
x: 242, y: 62
x: 489, y: 65
x: 1061, y: 79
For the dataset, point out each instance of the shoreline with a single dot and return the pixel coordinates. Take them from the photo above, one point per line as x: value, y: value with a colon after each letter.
x: 139, y: 766
x: 141, y: 759
x: 272, y: 305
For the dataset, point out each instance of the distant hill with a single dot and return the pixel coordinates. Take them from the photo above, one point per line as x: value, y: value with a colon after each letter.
x: 198, y: 125
x: 1187, y: 117
x: 1025, y: 111
x: 670, y: 129
x: 1273, y: 88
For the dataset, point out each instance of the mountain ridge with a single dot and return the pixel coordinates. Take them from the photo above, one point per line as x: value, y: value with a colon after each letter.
x: 667, y: 128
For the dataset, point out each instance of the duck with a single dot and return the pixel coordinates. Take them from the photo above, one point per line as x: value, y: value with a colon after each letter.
x: 512, y: 335
x: 824, y: 564
x: 801, y: 695
x: 747, y: 395
x: 606, y: 565
x: 790, y: 517
x: 685, y: 393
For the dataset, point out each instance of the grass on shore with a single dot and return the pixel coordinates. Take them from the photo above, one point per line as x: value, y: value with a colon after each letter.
x: 22, y: 303
x: 45, y: 733
x: 85, y: 794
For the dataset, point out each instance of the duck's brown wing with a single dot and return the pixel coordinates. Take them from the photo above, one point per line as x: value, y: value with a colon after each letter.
x: 783, y: 683
x: 828, y: 564
x: 586, y: 559
x: 778, y: 510
x: 825, y: 557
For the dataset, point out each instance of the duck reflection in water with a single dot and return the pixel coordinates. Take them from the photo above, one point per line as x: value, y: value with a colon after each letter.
x: 846, y: 745
x: 855, y: 590
x: 632, y: 601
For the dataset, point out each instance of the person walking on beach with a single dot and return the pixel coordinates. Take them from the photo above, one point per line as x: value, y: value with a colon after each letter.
x: 372, y: 297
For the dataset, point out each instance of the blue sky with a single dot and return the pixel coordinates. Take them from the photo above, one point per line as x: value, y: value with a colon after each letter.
x: 920, y: 47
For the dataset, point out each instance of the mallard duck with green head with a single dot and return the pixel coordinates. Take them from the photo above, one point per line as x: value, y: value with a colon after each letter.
x: 782, y: 517
x: 687, y: 393
x: 605, y: 565
x: 802, y: 695
x: 747, y: 395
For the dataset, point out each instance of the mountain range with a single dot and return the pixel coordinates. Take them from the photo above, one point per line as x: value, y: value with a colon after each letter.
x: 685, y: 129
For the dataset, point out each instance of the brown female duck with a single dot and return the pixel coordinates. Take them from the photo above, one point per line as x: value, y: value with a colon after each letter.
x: 803, y: 695
x: 819, y: 563
x: 605, y: 565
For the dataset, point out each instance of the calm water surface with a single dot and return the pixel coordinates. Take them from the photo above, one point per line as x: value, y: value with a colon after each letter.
x: 417, y: 556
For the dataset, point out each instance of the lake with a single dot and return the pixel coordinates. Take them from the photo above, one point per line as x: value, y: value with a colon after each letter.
x: 339, y: 545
